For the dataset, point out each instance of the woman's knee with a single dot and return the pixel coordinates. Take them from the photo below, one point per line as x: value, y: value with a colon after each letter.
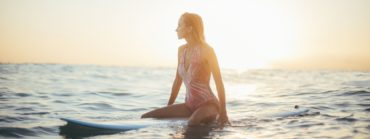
x: 177, y: 110
x: 199, y: 121
x: 146, y: 115
x: 193, y: 122
x: 156, y: 113
x: 150, y: 114
x: 203, y: 114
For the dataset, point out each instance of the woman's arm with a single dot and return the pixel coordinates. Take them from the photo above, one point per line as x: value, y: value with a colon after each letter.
x: 215, y: 69
x: 177, y: 82
x: 175, y: 89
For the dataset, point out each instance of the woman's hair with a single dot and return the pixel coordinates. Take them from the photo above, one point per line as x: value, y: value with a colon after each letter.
x: 195, y: 21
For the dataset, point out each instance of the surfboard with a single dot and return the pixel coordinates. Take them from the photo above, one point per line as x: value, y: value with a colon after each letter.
x: 83, y: 128
x: 100, y: 126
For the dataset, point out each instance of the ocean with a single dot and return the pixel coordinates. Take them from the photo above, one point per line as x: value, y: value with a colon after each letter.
x: 34, y: 96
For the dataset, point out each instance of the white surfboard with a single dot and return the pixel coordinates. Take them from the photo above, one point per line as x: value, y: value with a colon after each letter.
x: 83, y: 128
x: 101, y: 126
x: 78, y: 128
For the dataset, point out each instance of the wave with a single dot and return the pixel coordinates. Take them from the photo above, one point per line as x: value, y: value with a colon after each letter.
x: 99, y: 106
x: 355, y: 93
x: 16, y: 132
x: 61, y: 94
x: 22, y: 94
x: 347, y: 119
x: 322, y: 108
x: 367, y: 110
x: 10, y: 119
x: 3, y: 78
x: 35, y: 113
x: 116, y: 93
x: 364, y: 104
x: 19, y: 132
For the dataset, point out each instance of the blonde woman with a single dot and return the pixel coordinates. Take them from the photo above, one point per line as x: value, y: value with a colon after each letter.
x: 196, y: 62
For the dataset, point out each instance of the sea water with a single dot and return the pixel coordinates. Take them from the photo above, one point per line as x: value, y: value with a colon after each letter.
x: 34, y: 96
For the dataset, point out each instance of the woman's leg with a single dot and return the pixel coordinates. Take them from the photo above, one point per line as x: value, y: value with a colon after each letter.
x: 171, y: 111
x: 205, y: 113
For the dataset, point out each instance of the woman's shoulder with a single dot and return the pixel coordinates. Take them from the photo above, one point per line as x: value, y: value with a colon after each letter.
x: 207, y: 49
x: 181, y: 48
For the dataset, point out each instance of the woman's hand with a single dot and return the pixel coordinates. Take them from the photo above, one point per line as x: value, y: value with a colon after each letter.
x: 223, y: 119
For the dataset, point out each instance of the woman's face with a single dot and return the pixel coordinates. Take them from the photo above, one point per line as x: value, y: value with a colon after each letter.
x: 182, y: 30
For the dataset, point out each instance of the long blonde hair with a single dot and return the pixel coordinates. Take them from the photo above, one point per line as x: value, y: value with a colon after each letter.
x: 195, y: 21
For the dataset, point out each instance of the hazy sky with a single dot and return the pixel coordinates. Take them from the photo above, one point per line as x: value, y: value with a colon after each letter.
x: 314, y: 34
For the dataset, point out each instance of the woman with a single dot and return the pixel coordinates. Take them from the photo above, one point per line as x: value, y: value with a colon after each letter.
x: 196, y: 61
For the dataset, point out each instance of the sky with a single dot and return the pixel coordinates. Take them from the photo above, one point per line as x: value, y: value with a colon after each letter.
x: 246, y: 34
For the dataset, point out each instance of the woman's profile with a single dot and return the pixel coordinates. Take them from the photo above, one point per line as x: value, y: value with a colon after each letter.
x: 196, y: 62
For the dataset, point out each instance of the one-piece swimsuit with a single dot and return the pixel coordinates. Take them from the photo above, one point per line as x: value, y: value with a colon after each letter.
x: 196, y: 78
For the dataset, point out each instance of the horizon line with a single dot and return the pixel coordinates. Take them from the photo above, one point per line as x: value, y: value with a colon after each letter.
x: 172, y: 67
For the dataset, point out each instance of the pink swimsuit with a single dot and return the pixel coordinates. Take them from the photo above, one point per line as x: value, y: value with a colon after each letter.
x: 196, y: 79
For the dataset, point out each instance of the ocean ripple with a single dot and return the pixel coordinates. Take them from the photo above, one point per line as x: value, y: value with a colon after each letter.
x: 19, y: 132
x: 16, y: 132
x: 356, y: 93
x: 99, y: 106
x: 10, y: 119
x: 34, y: 96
